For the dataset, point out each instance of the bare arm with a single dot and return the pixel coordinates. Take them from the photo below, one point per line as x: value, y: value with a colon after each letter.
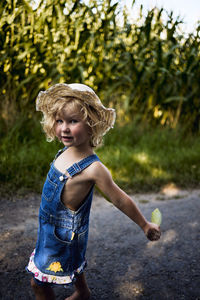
x: 123, y: 202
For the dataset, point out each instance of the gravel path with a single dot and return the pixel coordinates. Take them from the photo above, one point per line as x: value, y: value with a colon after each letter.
x: 122, y: 263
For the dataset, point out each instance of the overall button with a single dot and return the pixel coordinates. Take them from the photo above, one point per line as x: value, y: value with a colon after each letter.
x: 61, y: 178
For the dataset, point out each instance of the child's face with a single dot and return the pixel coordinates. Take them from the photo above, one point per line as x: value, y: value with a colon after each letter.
x: 71, y: 129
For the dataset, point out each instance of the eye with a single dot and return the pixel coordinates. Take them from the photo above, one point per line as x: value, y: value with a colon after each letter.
x: 59, y: 121
x: 74, y: 121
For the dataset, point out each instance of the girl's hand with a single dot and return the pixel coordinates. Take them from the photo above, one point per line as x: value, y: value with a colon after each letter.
x: 152, y: 231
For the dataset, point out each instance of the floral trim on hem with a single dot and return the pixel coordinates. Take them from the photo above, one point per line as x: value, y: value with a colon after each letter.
x: 47, y: 278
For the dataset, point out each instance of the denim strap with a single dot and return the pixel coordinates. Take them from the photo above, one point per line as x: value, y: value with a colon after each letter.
x: 81, y: 165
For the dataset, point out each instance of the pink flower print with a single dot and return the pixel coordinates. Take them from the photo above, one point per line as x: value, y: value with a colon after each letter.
x: 44, y: 279
x: 36, y: 274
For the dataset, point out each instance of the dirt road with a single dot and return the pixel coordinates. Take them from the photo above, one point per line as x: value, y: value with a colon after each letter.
x: 122, y: 263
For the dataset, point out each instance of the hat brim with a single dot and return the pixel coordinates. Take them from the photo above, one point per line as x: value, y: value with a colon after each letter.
x: 46, y: 100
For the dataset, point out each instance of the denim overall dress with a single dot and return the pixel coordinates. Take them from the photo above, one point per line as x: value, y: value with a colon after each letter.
x: 62, y: 234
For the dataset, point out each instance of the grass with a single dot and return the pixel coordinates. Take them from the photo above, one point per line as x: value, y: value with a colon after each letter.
x: 140, y: 159
x: 145, y: 159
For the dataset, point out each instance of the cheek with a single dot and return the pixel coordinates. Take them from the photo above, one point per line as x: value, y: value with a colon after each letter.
x: 57, y: 130
x: 76, y: 130
x: 80, y: 130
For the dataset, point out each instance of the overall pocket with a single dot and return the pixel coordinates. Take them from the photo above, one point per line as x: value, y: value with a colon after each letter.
x: 49, y: 189
x: 63, y: 234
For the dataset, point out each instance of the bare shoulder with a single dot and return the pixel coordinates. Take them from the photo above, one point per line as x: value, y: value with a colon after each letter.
x: 98, y: 171
x: 101, y: 176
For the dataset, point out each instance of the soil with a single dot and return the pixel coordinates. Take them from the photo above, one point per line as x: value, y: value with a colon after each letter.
x: 122, y: 263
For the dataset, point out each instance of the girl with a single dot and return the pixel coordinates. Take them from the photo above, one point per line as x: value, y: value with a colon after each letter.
x: 75, y: 115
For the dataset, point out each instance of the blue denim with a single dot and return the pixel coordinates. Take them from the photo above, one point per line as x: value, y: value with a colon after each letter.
x: 62, y: 233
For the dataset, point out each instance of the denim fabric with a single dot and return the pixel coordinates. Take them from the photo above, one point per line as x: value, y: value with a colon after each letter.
x: 62, y: 233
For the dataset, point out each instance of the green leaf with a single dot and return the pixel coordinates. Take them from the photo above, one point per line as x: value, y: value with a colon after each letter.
x: 156, y: 217
x: 175, y: 98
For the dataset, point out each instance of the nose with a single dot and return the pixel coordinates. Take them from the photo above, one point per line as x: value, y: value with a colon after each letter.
x: 65, y: 127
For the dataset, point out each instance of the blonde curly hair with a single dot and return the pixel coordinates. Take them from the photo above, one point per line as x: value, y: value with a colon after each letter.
x: 52, y: 102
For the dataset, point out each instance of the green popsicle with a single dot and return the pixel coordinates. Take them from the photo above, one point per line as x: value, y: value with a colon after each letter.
x: 156, y: 217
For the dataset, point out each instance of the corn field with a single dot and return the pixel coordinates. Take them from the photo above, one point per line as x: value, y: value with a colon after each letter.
x: 148, y: 70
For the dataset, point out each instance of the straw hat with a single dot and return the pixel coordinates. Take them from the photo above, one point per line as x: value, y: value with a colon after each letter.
x: 46, y: 100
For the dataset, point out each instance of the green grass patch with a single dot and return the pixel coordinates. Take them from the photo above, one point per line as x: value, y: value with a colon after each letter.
x: 145, y: 159
x: 25, y: 157
x: 140, y: 159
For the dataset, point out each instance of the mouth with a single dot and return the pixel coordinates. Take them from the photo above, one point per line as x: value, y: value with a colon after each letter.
x: 67, y: 138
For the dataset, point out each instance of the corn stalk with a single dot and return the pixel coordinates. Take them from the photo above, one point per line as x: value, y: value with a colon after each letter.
x: 147, y: 68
